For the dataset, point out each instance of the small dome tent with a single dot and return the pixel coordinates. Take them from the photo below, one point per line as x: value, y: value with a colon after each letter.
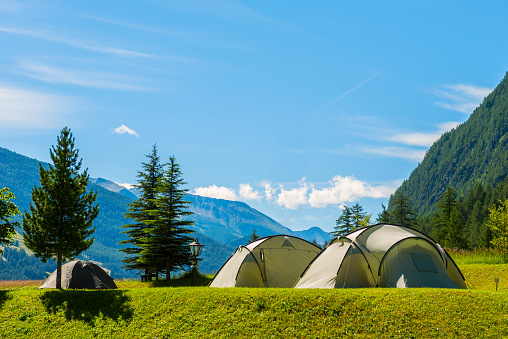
x: 382, y: 255
x: 274, y: 261
x: 81, y: 274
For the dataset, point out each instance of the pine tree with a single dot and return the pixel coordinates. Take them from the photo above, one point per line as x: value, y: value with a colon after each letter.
x: 7, y: 210
x: 344, y: 224
x: 358, y: 216
x: 59, y: 223
x: 254, y: 236
x: 446, y: 205
x: 383, y: 217
x: 140, y: 228
x: 167, y: 247
x: 401, y: 212
x: 455, y: 229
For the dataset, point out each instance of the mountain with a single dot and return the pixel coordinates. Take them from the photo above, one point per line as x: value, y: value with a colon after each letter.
x: 221, y: 225
x: 474, y: 152
x: 314, y: 233
x: 114, y: 187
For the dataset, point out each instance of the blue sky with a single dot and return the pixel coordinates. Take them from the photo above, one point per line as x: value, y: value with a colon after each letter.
x: 293, y: 107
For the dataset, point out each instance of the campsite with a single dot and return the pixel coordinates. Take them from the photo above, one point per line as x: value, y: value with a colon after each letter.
x: 174, y: 309
x: 148, y: 310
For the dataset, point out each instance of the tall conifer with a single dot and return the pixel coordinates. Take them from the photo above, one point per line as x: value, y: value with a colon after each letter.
x: 168, y: 245
x: 59, y: 224
x: 139, y: 230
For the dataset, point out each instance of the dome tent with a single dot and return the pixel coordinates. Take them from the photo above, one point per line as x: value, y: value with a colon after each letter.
x: 382, y: 255
x: 81, y: 274
x: 274, y: 261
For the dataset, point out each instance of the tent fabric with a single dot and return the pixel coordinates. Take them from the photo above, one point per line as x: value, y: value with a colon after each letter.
x: 275, y: 261
x: 81, y: 275
x: 382, y: 255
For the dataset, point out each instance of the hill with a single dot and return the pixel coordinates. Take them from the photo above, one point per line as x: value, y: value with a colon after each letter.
x: 474, y: 152
x: 221, y: 225
x: 185, y: 312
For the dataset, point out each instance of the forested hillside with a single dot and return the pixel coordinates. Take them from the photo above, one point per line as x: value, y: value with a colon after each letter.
x: 474, y: 152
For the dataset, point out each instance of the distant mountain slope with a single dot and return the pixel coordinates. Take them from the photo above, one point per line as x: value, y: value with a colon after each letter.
x: 221, y: 225
x: 114, y: 187
x: 475, y: 151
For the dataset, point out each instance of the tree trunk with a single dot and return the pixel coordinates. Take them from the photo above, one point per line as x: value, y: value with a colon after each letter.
x: 168, y: 270
x: 59, y: 272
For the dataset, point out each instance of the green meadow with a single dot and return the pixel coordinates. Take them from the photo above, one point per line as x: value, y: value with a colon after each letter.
x: 172, y: 310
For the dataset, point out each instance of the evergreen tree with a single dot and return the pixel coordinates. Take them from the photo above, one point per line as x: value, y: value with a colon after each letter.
x: 383, y: 217
x: 7, y: 210
x: 344, y: 224
x: 139, y: 230
x: 401, y: 212
x: 455, y: 229
x: 254, y: 236
x: 359, y: 217
x: 167, y: 247
x: 446, y: 205
x: 59, y: 223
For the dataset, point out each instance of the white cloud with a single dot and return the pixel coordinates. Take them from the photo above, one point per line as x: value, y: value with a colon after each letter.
x: 248, y: 193
x: 293, y: 198
x: 124, y: 129
x: 346, y: 189
x: 338, y: 191
x: 217, y: 192
x: 423, y: 139
x: 81, y: 78
x: 461, y: 98
x: 396, y: 152
x: 25, y: 109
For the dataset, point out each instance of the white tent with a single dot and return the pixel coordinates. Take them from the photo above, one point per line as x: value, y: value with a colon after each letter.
x: 382, y: 255
x: 275, y: 261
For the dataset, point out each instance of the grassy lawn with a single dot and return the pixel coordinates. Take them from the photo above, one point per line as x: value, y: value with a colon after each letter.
x: 161, y: 309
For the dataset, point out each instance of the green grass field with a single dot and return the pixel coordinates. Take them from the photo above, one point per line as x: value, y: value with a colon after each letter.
x: 164, y: 310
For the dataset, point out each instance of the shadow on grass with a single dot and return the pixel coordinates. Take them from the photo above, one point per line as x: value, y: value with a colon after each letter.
x: 4, y: 296
x: 88, y: 305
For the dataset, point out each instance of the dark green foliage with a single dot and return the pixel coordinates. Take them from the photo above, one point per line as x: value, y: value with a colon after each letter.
x: 7, y: 210
x: 254, y: 236
x: 142, y: 221
x: 474, y: 152
x: 400, y: 210
x: 344, y: 224
x: 167, y: 248
x: 383, y: 217
x: 16, y: 264
x: 59, y: 224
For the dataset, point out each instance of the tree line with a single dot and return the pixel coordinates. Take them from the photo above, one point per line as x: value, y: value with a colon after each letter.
x: 478, y: 219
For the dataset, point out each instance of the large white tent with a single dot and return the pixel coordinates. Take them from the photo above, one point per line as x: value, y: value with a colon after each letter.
x: 382, y: 255
x: 275, y: 261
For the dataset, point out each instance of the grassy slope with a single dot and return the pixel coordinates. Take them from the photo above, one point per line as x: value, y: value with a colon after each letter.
x: 139, y: 310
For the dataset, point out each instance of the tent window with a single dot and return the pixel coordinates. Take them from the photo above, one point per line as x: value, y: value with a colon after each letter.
x: 287, y: 244
x: 423, y: 262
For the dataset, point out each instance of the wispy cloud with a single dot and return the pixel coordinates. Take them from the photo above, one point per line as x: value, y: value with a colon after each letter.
x: 26, y: 109
x: 396, y: 152
x: 461, y: 98
x: 51, y: 74
x: 87, y: 45
x: 423, y: 139
x: 248, y: 193
x: 124, y: 129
